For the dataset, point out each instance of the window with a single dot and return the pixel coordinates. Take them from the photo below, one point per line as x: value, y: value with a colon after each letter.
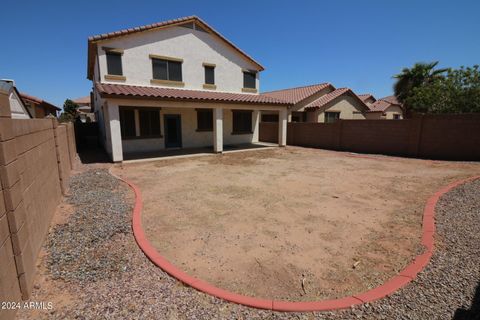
x: 396, y: 117
x: 242, y: 121
x: 167, y: 69
x: 204, y: 119
x: 209, y: 74
x: 269, y: 117
x: 114, y: 63
x: 331, y: 117
x: 298, y: 116
x: 127, y: 123
x: 249, y: 80
x: 149, y: 122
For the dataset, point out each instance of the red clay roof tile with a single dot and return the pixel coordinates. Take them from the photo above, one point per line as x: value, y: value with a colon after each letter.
x: 323, y: 100
x: 295, y: 95
x: 121, y: 90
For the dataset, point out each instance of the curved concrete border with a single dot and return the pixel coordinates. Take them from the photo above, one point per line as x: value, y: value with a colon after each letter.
x: 403, y: 278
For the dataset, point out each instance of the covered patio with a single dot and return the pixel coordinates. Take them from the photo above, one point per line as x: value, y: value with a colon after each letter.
x: 148, y: 121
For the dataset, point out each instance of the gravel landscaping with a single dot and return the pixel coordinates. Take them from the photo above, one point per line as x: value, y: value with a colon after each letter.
x: 94, y: 261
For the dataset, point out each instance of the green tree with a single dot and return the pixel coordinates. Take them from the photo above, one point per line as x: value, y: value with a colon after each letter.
x: 70, y: 111
x: 419, y: 75
x: 457, y: 92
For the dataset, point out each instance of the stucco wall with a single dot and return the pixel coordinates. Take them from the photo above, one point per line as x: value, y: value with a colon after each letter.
x: 300, y: 106
x: 17, y: 108
x: 194, y: 47
x: 392, y: 110
x: 348, y: 107
x: 191, y: 138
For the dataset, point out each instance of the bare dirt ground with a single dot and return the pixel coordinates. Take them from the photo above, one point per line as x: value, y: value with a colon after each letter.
x: 262, y: 223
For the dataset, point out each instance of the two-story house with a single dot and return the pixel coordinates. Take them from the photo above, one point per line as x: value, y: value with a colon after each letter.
x: 176, y: 84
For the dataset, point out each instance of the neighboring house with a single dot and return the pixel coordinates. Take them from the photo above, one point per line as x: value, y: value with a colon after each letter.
x: 386, y: 108
x: 10, y: 100
x: 85, y: 109
x: 37, y: 107
x: 320, y: 103
x: 176, y: 84
x: 368, y: 98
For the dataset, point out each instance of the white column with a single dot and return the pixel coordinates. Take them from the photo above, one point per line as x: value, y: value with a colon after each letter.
x: 282, y: 127
x: 255, y: 125
x: 115, y: 133
x: 218, y: 130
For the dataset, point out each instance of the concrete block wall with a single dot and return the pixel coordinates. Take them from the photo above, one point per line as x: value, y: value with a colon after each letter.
x: 446, y: 137
x: 36, y: 159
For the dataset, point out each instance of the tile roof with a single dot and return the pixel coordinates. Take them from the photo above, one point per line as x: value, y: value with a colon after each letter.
x: 36, y: 100
x: 383, y: 103
x: 120, y: 90
x: 323, y: 100
x: 391, y: 99
x: 366, y: 96
x: 82, y: 100
x: 93, y: 39
x: 295, y: 95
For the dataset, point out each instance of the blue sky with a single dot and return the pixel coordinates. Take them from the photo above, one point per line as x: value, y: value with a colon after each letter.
x: 356, y: 44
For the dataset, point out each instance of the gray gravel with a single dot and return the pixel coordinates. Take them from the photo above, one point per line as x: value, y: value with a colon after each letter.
x: 126, y: 285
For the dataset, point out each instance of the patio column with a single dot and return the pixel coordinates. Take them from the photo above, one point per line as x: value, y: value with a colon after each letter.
x: 115, y: 133
x: 218, y: 130
x: 255, y: 125
x: 282, y: 127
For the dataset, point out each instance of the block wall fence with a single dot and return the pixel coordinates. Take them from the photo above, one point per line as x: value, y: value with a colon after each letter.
x: 446, y: 137
x: 36, y: 159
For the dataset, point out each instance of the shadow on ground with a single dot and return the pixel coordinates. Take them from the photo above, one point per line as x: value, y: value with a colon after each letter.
x: 473, y: 313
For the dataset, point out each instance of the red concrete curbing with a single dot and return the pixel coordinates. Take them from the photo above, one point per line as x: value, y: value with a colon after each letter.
x: 403, y: 278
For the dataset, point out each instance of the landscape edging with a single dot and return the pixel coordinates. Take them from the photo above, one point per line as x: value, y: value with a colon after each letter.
x: 392, y: 285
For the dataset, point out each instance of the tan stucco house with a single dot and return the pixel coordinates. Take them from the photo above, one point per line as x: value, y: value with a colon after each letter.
x: 38, y: 107
x: 320, y: 103
x: 85, y: 109
x: 388, y: 108
x: 176, y: 84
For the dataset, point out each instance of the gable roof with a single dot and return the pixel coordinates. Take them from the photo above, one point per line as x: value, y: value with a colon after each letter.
x: 384, y: 103
x: 82, y: 101
x: 391, y: 99
x: 295, y: 95
x: 325, y: 99
x: 92, y: 41
x: 366, y: 96
x: 38, y: 101
x: 131, y: 91
x: 18, y: 110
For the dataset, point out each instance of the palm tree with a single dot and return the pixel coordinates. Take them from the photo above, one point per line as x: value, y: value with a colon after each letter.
x: 421, y: 73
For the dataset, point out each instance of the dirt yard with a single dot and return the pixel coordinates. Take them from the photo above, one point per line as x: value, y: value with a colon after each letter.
x: 296, y: 224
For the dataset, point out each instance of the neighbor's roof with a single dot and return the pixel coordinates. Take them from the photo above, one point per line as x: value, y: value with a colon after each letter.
x: 383, y: 103
x: 119, y: 90
x: 295, y: 95
x: 83, y: 100
x: 36, y: 100
x: 391, y: 99
x: 366, y: 96
x: 323, y: 100
x: 94, y: 39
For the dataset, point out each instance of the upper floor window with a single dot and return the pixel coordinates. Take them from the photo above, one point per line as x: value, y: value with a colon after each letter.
x: 114, y: 63
x: 209, y: 74
x: 249, y: 79
x: 169, y: 69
